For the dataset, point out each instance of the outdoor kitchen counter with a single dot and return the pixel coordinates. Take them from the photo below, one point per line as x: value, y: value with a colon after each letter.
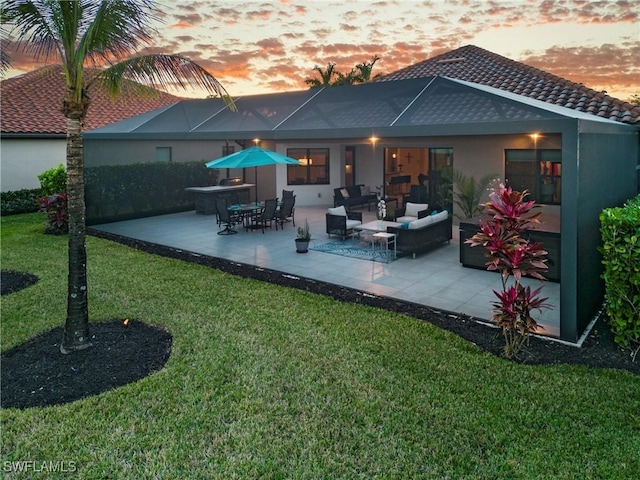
x: 206, y: 196
x: 547, y: 232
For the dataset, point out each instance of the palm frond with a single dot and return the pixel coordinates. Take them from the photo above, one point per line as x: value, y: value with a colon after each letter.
x: 35, y: 24
x: 162, y: 72
x: 116, y: 29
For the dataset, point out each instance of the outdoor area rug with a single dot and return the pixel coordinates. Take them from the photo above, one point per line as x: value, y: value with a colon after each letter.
x: 358, y: 249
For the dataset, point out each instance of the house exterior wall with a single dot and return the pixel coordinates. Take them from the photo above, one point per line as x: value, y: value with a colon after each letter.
x: 23, y: 159
x: 605, y: 179
x: 124, y: 152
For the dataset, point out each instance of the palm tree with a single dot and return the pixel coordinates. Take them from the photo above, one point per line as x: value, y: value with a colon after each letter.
x: 99, y: 33
x: 326, y: 76
x: 362, y: 71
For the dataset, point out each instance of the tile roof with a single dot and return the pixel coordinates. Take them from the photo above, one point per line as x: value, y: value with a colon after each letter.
x: 31, y: 103
x: 474, y: 64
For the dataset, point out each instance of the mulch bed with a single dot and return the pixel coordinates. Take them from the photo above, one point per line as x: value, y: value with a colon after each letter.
x: 35, y: 373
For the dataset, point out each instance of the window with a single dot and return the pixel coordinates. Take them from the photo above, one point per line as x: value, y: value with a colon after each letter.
x: 538, y: 171
x: 313, y: 168
x: 163, y: 154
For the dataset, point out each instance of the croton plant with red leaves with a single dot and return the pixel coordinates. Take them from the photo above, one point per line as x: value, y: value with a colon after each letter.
x: 55, y: 206
x: 502, y: 234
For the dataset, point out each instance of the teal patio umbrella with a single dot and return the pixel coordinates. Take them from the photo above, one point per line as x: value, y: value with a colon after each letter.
x: 252, y: 157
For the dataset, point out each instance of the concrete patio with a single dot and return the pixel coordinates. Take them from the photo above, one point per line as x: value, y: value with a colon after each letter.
x: 435, y: 278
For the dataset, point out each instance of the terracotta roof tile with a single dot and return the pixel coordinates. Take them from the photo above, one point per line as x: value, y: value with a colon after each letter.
x: 474, y: 64
x: 31, y: 103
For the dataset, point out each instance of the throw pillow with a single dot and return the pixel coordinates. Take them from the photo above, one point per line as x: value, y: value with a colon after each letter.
x: 412, y: 209
x: 344, y: 192
x: 405, y: 225
x: 341, y: 211
x: 365, y: 191
x: 434, y: 212
x: 438, y: 217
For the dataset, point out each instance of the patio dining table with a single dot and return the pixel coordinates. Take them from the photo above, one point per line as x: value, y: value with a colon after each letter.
x: 247, y: 211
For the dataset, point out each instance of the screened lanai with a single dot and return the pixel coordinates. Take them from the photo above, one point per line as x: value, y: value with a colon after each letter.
x: 478, y: 124
x: 434, y: 105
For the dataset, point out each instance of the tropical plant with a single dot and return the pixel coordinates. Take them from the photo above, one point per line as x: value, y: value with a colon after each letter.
x: 330, y: 77
x: 326, y: 76
x: 304, y: 232
x: 55, y: 206
x: 99, y: 33
x: 362, y: 71
x: 511, y: 254
x: 467, y: 192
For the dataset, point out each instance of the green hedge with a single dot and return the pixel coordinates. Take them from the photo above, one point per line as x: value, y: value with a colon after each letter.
x: 20, y: 201
x: 620, y: 230
x: 122, y: 192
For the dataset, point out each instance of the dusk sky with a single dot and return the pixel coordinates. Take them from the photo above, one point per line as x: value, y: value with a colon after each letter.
x: 264, y: 47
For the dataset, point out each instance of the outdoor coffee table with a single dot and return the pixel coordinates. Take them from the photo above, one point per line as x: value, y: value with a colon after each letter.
x: 378, y: 229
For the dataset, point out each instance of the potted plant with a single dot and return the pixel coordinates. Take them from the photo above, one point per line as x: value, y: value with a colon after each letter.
x: 303, y: 238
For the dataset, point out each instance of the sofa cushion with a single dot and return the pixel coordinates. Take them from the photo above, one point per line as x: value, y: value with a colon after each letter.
x: 412, y: 209
x: 422, y: 222
x: 406, y: 219
x: 344, y: 192
x: 338, y: 211
x: 353, y: 223
x: 438, y: 217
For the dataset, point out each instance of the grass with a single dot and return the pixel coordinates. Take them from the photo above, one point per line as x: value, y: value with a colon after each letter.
x: 271, y: 382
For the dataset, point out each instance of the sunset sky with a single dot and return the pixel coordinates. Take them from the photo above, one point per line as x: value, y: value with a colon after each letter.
x: 264, y: 47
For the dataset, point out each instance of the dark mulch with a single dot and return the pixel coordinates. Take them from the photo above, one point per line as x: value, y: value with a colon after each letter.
x: 12, y: 281
x: 35, y: 373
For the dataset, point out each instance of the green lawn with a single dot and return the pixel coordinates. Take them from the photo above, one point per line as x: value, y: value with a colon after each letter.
x: 270, y: 382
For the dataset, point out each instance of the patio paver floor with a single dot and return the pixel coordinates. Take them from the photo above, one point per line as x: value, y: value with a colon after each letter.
x: 435, y: 278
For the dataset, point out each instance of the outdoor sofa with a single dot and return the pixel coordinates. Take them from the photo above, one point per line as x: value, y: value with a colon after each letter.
x: 354, y: 196
x: 424, y: 233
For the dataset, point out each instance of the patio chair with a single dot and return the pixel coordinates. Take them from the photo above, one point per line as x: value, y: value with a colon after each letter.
x: 340, y: 222
x: 267, y: 216
x: 287, y: 193
x: 286, y: 212
x: 224, y: 217
x: 417, y: 194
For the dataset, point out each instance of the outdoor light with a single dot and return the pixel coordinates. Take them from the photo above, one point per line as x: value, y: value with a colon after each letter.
x: 535, y: 136
x: 256, y: 141
x: 373, y: 139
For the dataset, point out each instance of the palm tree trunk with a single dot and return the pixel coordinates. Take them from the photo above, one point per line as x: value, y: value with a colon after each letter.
x: 76, y: 329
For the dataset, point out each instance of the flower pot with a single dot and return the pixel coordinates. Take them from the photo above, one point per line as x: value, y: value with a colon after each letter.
x: 302, y: 245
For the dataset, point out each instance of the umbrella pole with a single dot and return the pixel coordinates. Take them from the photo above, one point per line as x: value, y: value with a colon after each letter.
x: 255, y: 179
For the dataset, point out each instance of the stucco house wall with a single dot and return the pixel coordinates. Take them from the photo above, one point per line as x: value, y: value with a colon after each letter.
x: 24, y: 159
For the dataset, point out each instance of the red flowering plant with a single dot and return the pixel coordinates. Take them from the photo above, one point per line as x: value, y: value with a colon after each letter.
x: 509, y: 252
x: 55, y: 206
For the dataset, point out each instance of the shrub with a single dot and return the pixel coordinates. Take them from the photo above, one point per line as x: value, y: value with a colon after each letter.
x: 122, y: 192
x: 514, y: 257
x: 53, y: 180
x: 20, y: 201
x: 620, y: 231
x: 55, y: 206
